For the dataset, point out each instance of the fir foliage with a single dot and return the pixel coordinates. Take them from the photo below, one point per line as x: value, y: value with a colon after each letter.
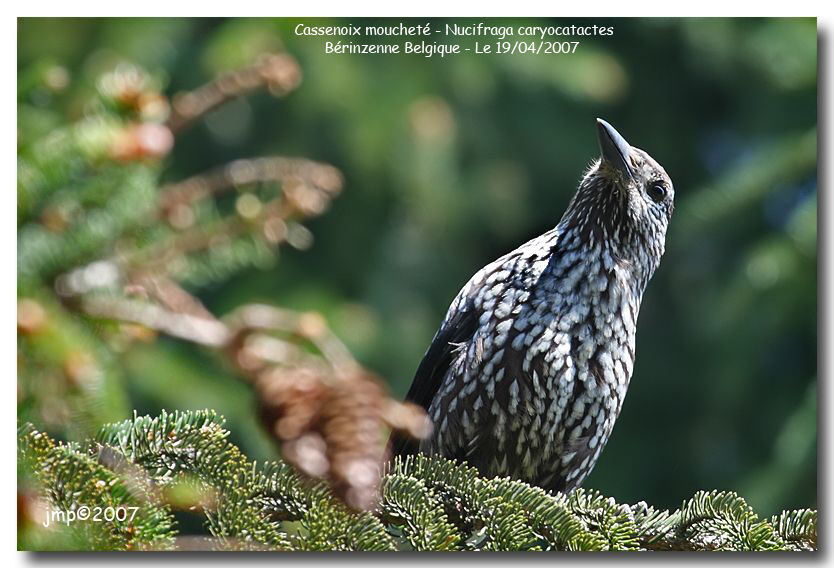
x: 426, y: 503
x: 72, y: 477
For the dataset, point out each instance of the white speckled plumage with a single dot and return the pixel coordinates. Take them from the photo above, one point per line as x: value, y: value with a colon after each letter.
x: 528, y: 371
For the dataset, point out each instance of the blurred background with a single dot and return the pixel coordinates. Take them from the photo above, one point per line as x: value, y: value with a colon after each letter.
x: 450, y: 162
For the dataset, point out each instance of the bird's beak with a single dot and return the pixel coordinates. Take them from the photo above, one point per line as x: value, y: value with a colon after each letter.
x: 614, y: 148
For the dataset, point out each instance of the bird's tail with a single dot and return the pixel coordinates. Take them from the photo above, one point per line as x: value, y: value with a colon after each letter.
x: 401, y: 445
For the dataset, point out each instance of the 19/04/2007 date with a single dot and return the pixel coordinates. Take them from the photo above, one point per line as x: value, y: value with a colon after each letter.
x: 537, y: 47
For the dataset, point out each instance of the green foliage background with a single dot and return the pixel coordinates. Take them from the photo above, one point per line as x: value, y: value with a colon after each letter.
x: 451, y: 162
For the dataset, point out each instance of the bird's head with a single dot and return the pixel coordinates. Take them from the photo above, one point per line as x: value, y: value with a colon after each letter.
x: 624, y: 202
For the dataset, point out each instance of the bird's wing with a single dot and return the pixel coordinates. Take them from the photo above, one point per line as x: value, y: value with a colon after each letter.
x: 458, y: 327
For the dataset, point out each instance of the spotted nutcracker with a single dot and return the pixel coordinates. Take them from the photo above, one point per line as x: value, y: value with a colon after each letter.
x: 528, y: 371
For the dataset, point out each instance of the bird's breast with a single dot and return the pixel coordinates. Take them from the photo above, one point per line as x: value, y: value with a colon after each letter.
x: 537, y: 388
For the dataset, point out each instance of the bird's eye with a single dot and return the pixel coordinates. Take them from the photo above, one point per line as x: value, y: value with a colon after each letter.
x: 657, y: 191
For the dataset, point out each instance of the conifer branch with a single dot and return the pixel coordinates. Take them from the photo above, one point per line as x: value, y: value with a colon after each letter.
x: 280, y: 73
x: 428, y: 503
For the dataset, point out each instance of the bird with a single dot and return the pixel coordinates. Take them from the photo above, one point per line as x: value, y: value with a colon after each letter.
x: 528, y: 371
